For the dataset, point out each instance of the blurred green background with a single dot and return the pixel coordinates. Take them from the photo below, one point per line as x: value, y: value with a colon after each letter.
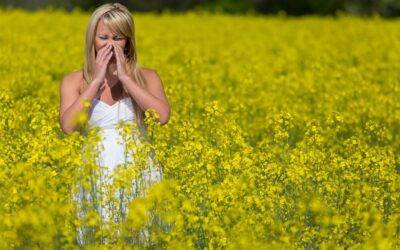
x: 385, y: 8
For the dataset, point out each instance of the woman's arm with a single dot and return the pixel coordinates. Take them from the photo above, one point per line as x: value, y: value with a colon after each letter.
x: 71, y: 103
x: 150, y: 97
x: 153, y: 96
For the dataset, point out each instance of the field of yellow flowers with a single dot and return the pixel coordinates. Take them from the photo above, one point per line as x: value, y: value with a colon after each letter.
x: 284, y: 134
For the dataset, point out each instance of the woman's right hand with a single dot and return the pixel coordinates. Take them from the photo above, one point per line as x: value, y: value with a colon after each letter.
x: 103, y: 57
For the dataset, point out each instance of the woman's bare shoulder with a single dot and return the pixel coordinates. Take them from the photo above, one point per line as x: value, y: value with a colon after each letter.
x: 74, y: 77
x: 151, y: 76
x: 148, y: 73
x: 72, y: 80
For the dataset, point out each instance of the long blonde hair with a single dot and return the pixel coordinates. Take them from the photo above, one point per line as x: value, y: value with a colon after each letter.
x: 118, y: 18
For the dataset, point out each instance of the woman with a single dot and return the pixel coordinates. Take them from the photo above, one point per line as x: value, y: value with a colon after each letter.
x: 117, y: 89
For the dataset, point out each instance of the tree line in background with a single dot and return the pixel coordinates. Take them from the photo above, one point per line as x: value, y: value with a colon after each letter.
x: 386, y: 8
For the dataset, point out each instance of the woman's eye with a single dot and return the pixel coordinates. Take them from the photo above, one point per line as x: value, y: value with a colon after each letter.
x: 117, y: 38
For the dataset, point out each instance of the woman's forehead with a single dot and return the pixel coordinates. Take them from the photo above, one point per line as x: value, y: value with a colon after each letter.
x: 102, y: 25
x: 111, y: 26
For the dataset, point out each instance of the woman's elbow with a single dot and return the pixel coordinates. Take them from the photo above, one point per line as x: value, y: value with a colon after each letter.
x: 164, y: 118
x: 164, y: 121
x: 66, y: 128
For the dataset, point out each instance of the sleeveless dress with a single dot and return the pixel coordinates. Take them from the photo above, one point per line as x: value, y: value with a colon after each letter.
x: 112, y: 156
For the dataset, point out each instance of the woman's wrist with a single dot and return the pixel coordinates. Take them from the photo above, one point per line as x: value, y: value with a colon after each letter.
x: 125, y: 79
x: 95, y: 83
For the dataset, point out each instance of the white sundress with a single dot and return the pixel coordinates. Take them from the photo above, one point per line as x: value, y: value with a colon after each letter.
x: 110, y: 158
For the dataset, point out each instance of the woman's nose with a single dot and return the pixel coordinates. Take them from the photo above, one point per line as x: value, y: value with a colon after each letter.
x: 107, y: 44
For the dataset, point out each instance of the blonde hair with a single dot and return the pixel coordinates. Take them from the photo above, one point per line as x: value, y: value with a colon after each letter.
x: 118, y: 18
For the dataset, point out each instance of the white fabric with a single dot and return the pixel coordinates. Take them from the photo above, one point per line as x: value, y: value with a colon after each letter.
x: 107, y: 117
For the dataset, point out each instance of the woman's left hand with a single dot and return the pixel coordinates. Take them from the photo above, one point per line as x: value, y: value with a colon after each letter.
x: 121, y: 63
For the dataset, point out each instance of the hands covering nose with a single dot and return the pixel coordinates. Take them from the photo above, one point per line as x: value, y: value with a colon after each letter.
x: 121, y: 62
x: 103, y: 58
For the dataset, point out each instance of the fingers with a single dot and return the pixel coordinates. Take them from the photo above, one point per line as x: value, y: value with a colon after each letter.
x: 118, y: 53
x: 103, y: 57
x: 109, y: 54
x: 115, y: 52
x: 104, y: 52
x: 120, y: 58
x: 105, y: 48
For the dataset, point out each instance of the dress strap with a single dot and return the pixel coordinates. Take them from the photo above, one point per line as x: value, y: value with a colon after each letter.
x: 118, y: 111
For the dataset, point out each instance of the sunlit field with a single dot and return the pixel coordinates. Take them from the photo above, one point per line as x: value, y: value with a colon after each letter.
x: 284, y: 134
